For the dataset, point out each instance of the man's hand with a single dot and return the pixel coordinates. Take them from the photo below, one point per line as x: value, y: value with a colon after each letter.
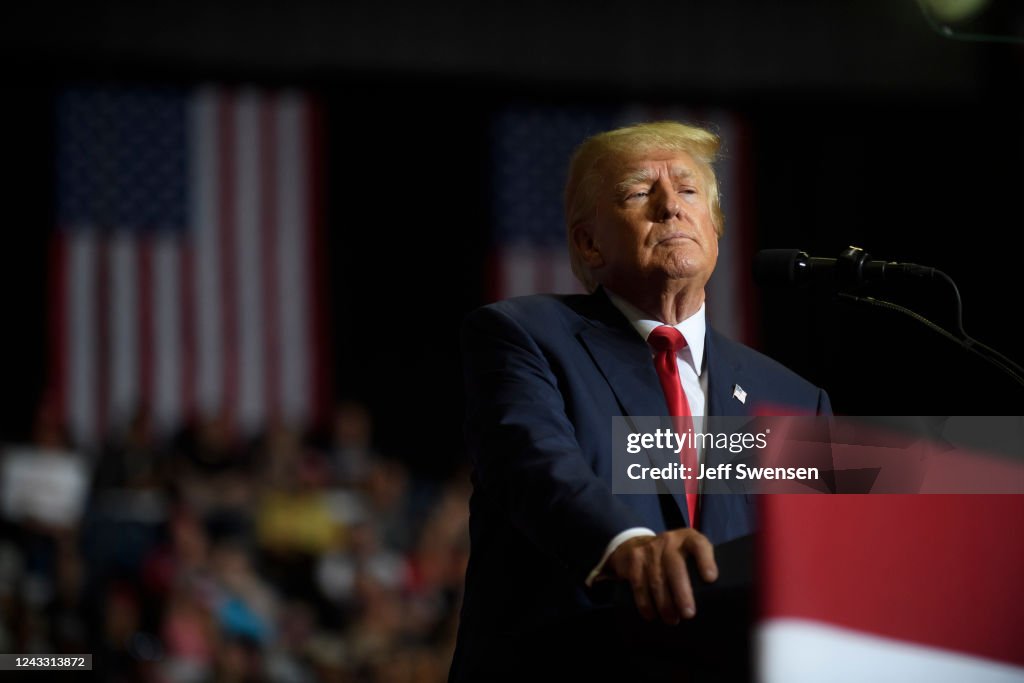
x: 655, y: 566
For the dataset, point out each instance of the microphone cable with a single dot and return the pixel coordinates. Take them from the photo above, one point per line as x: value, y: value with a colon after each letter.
x: 962, y: 339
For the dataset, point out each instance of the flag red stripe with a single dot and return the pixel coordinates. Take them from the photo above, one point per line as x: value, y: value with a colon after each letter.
x: 940, y: 570
x: 189, y: 342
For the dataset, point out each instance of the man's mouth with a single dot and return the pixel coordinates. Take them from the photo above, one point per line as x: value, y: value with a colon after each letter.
x: 673, y: 237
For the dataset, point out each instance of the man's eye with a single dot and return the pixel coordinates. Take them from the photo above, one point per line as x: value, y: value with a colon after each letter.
x: 687, y: 190
x: 637, y: 195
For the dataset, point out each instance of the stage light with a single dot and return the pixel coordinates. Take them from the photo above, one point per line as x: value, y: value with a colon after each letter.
x: 954, y: 10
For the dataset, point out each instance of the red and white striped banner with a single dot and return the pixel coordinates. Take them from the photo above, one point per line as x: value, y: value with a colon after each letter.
x: 892, y: 588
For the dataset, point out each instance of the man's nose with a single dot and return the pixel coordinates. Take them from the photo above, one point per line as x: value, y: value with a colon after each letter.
x: 668, y: 205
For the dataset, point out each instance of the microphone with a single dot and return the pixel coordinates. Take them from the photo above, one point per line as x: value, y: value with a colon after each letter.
x: 854, y: 267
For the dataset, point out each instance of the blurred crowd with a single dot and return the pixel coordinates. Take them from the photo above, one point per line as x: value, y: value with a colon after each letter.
x: 204, y: 557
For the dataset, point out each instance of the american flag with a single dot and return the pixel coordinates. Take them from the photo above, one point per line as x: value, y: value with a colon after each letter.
x: 185, y: 267
x: 531, y: 151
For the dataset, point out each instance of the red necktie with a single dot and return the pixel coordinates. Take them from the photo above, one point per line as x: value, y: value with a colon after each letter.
x: 667, y: 341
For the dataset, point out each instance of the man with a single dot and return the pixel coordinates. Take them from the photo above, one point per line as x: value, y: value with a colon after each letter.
x: 545, y: 375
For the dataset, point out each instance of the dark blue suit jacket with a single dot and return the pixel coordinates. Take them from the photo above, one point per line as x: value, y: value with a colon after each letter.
x: 544, y: 375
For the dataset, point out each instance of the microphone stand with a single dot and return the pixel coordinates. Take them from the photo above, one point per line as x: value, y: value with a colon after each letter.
x: 852, y: 260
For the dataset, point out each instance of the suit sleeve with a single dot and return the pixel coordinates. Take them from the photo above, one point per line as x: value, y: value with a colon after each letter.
x: 525, y: 455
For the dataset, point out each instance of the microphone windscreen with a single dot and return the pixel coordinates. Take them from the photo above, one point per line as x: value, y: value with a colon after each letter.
x: 773, y: 267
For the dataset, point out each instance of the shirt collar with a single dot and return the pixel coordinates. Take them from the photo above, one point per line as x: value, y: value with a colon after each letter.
x: 692, y: 329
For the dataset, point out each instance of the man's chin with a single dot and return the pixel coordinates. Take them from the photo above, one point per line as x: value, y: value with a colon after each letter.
x: 688, y: 269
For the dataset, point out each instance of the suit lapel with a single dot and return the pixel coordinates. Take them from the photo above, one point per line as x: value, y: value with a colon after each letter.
x: 725, y: 373
x: 724, y: 515
x: 622, y: 357
x: 625, y: 361
x: 628, y: 369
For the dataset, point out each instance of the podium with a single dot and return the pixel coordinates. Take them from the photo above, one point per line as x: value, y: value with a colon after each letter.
x: 615, y: 643
x: 833, y: 588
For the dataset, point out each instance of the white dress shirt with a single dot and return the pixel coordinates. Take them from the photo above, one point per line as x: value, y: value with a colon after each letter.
x: 690, y: 360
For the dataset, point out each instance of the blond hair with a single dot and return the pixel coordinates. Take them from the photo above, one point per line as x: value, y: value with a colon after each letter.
x: 590, y: 159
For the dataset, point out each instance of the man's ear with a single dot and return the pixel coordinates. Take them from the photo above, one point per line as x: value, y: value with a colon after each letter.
x: 583, y: 240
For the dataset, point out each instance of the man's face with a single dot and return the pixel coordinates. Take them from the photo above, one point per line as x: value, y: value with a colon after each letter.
x: 653, y: 222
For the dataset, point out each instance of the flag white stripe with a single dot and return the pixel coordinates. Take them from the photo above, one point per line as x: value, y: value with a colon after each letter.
x: 292, y: 248
x: 563, y: 280
x: 81, y: 342
x: 531, y: 270
x: 124, y: 365
x: 248, y: 289
x: 798, y: 651
x: 203, y: 193
x: 167, y: 398
x: 519, y: 270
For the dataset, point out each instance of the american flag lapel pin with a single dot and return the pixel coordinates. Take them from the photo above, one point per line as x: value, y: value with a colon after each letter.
x: 739, y: 394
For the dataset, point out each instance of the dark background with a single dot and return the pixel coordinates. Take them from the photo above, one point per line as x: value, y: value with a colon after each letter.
x: 867, y: 127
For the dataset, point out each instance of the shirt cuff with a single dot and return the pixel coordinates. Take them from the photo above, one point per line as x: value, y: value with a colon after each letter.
x: 618, y: 540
